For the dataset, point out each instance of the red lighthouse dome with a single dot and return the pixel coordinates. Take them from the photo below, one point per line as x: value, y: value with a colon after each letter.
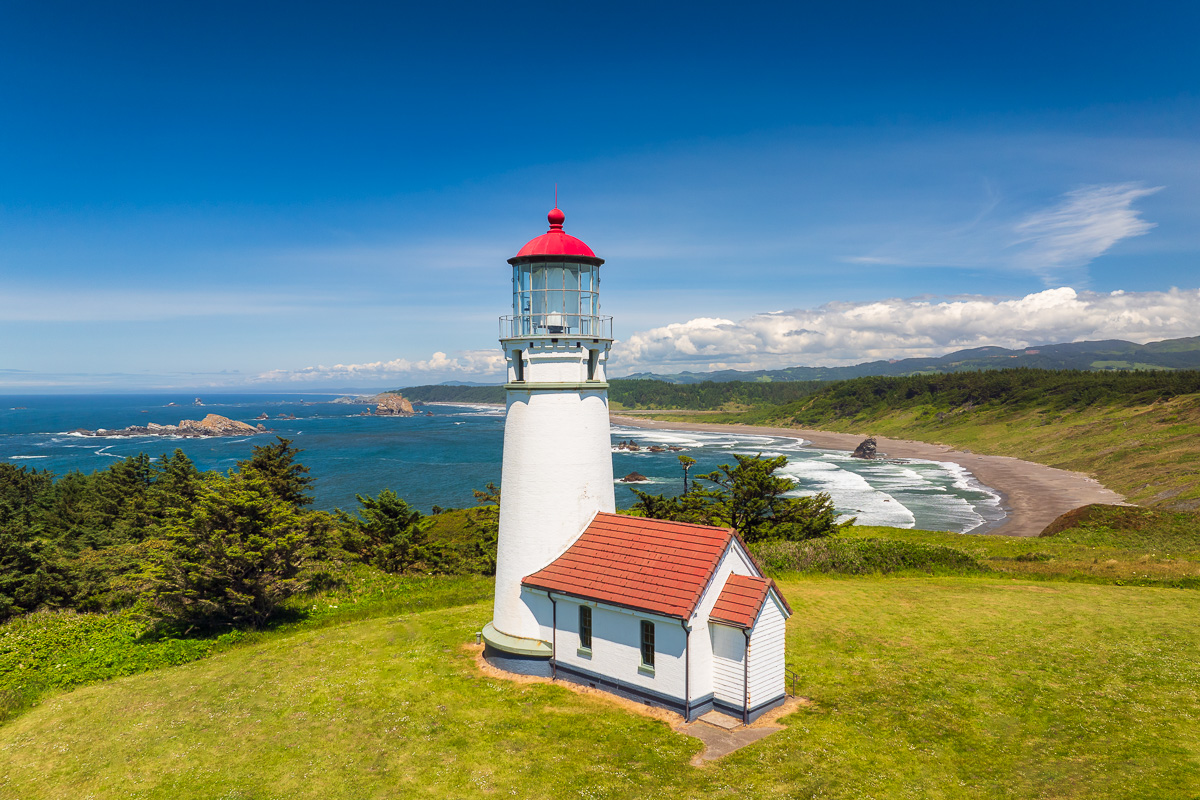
x: 554, y: 242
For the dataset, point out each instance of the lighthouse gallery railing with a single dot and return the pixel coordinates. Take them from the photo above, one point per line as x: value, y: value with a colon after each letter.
x: 555, y: 324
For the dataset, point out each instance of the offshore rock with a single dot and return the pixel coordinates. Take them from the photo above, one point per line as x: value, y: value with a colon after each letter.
x: 866, y: 449
x: 212, y: 425
x: 635, y: 477
x: 392, y: 405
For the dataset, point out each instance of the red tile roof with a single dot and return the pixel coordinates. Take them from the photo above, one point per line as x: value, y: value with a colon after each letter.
x: 740, y: 600
x: 649, y: 564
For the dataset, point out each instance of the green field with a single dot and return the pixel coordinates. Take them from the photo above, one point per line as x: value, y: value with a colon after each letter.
x: 982, y: 685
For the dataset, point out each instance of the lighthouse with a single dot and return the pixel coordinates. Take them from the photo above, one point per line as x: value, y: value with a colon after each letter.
x: 666, y: 613
x: 557, y: 472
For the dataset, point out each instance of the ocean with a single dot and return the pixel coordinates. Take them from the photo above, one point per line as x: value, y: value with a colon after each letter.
x: 438, y: 459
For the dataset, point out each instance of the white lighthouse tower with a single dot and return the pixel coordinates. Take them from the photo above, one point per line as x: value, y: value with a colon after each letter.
x: 557, y: 471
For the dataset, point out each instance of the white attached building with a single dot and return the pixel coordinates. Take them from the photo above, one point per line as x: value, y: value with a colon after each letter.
x: 671, y: 614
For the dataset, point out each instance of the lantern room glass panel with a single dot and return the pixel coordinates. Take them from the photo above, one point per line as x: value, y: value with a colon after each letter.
x: 556, y: 298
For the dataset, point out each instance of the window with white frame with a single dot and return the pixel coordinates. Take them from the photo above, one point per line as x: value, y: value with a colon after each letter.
x: 647, y: 644
x: 585, y: 627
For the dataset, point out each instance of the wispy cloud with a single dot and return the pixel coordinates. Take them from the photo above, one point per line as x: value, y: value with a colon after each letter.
x: 439, y: 366
x: 846, y: 333
x: 1084, y: 225
x: 1054, y: 242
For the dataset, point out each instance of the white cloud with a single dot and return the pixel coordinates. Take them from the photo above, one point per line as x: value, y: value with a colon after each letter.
x: 833, y: 334
x: 439, y: 366
x: 849, y: 333
x: 1083, y: 226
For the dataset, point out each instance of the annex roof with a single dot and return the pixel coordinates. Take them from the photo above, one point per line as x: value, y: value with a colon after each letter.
x: 555, y: 242
x: 648, y: 564
x: 741, y: 600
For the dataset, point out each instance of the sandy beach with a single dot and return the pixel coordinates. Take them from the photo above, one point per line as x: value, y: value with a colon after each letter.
x: 1033, y: 495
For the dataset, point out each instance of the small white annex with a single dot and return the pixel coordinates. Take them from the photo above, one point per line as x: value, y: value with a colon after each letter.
x: 667, y: 613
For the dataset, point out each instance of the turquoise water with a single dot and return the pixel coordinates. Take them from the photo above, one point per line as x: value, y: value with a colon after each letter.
x: 440, y: 459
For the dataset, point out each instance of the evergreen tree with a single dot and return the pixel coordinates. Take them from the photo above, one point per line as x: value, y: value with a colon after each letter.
x: 750, y: 498
x: 231, y: 557
x: 276, y: 465
x: 394, y: 533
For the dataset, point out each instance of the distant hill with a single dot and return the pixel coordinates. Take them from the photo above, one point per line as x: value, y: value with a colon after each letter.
x: 1111, y: 354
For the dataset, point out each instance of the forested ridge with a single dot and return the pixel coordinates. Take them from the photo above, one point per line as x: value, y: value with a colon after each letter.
x: 812, y: 400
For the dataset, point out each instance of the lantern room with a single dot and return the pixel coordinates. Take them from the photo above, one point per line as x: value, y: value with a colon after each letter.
x: 556, y: 288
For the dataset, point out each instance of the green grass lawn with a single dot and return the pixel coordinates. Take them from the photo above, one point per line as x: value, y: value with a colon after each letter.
x: 1090, y: 555
x: 54, y: 650
x: 982, y: 686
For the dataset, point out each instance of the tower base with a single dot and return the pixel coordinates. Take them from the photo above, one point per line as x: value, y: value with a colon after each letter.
x: 514, y: 654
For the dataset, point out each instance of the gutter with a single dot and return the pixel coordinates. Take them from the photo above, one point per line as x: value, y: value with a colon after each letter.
x: 687, y: 672
x: 554, y: 637
x: 746, y: 680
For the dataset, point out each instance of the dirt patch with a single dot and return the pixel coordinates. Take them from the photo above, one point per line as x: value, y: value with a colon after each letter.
x: 486, y: 669
x: 1041, y: 589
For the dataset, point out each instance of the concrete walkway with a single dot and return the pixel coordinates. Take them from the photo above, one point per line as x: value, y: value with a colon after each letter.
x: 721, y: 738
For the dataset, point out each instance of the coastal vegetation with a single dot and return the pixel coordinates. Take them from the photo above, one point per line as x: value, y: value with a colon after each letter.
x: 972, y: 685
x: 928, y: 660
x: 191, y: 550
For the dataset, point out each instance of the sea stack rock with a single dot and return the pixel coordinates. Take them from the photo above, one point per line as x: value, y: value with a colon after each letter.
x: 866, y: 449
x: 392, y: 405
x: 216, y: 425
x: 635, y: 477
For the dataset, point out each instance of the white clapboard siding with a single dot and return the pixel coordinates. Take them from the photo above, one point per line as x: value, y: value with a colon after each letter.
x: 767, y: 654
x: 729, y: 648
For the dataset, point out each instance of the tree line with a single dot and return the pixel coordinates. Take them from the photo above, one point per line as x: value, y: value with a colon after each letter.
x: 1019, y: 388
x: 197, y: 550
x: 192, y: 548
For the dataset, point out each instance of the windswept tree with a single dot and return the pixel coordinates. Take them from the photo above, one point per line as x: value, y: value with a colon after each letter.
x: 687, y: 462
x: 276, y: 465
x: 230, y: 558
x: 393, y: 533
x: 752, y: 499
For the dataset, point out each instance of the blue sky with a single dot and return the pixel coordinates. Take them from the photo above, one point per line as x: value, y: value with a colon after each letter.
x: 302, y: 195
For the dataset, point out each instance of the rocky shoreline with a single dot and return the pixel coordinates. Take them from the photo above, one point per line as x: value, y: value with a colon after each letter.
x: 211, y: 425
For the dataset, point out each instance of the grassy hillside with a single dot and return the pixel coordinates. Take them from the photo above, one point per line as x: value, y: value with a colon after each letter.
x: 1148, y: 453
x: 921, y: 687
x: 1138, y: 433
x: 1026, y: 671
